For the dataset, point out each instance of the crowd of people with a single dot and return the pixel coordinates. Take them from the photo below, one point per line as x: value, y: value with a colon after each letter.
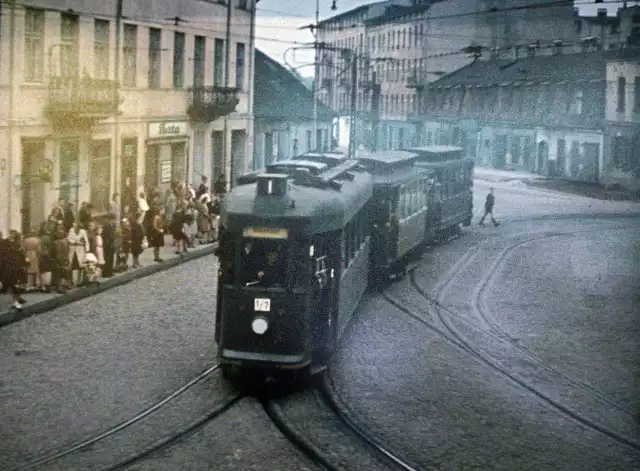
x: 70, y: 250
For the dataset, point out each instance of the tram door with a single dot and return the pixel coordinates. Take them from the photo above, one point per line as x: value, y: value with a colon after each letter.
x: 324, y: 285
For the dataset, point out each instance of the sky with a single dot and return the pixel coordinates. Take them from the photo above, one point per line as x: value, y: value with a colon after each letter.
x: 278, y: 23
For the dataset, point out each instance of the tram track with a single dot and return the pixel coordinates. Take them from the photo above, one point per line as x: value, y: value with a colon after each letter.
x: 323, y: 454
x: 63, y: 457
x: 452, y: 334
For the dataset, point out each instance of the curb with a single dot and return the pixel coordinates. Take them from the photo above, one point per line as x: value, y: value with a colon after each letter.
x: 87, y: 291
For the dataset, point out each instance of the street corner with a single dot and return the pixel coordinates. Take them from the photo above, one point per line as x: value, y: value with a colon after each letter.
x: 41, y: 303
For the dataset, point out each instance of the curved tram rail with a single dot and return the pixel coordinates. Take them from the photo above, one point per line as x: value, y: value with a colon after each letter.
x: 452, y: 334
x: 58, y: 455
x: 331, y: 400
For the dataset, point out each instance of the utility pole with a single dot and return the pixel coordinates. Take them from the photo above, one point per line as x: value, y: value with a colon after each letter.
x: 12, y: 86
x: 375, y: 110
x: 354, y: 96
x: 227, y: 72
x: 316, y: 70
x: 116, y: 121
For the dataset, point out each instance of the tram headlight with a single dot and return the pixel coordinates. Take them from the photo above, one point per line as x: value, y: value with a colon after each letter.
x: 259, y: 325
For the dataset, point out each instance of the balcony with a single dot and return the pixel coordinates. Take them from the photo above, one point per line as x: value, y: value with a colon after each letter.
x: 210, y: 103
x: 79, y: 102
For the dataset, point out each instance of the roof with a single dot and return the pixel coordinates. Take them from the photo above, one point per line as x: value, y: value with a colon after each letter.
x: 393, y: 12
x: 280, y: 95
x: 315, y: 210
x: 352, y: 12
x: 570, y: 67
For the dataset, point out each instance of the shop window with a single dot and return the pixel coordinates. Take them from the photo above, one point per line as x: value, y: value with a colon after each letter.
x: 621, y: 95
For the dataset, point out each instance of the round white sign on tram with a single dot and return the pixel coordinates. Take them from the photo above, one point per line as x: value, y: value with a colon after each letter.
x: 259, y: 325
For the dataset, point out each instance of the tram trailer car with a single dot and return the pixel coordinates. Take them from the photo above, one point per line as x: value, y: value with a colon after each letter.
x: 400, y: 198
x: 453, y: 193
x: 309, y: 240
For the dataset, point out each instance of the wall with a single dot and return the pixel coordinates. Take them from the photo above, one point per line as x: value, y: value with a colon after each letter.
x: 284, y: 137
x: 140, y: 105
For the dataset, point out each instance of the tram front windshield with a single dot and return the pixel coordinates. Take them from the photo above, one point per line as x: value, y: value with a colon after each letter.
x: 263, y: 263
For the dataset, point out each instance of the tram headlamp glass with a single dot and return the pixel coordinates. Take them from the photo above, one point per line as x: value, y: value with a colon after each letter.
x: 259, y: 325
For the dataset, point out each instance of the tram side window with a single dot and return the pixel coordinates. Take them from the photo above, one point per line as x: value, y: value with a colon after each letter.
x: 264, y: 263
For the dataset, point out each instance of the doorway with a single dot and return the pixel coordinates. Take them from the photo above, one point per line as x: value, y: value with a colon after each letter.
x: 33, y: 185
x: 543, y: 156
x: 129, y: 171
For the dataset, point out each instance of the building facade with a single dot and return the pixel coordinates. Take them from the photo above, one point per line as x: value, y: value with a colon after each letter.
x: 179, y: 107
x: 412, y: 43
x: 541, y: 114
x: 283, y: 114
x: 622, y: 125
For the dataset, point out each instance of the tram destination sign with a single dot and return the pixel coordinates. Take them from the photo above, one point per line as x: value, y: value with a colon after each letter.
x: 265, y: 233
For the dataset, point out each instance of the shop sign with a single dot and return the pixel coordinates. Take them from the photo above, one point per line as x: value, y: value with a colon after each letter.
x: 165, y: 172
x: 167, y: 130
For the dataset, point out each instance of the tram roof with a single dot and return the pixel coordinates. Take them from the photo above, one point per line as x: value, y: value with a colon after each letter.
x: 329, y: 158
x: 315, y: 208
x: 439, y: 152
x: 314, y: 166
x: 389, y: 157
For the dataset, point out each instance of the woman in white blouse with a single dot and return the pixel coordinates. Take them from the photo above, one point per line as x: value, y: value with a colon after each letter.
x: 78, y: 247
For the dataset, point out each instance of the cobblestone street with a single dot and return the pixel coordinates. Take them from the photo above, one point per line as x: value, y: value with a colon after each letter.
x: 559, y: 313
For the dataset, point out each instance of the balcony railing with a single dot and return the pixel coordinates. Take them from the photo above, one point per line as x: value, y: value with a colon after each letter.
x: 210, y: 103
x: 82, y: 97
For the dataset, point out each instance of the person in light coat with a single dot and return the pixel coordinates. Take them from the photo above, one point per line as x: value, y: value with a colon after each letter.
x: 78, y: 247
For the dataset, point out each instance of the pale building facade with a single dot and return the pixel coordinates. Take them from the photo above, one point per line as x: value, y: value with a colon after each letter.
x: 622, y: 125
x: 182, y: 109
x: 411, y: 43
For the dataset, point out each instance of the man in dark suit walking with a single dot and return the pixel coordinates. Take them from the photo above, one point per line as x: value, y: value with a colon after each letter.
x: 488, y: 208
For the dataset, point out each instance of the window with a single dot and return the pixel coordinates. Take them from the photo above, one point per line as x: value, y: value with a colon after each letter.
x: 33, y: 45
x: 622, y: 90
x: 130, y: 51
x: 69, y: 46
x: 101, y: 48
x: 636, y: 104
x: 178, y: 60
x: 575, y: 107
x: 218, y: 62
x: 198, y: 61
x: 242, y: 4
x: 240, y: 58
x: 622, y: 152
x: 155, y: 57
x: 264, y: 263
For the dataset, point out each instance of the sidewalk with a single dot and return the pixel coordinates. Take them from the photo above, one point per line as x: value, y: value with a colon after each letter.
x: 38, y: 303
x: 590, y: 190
x: 493, y: 175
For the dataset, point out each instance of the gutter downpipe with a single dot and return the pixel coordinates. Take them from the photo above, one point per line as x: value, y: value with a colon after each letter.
x: 116, y: 122
x: 12, y: 37
x: 227, y: 69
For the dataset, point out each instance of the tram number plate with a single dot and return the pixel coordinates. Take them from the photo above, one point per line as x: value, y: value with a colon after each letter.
x: 262, y: 304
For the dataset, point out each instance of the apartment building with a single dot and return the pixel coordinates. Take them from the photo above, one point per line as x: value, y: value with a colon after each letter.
x: 75, y: 128
x: 622, y: 121
x: 283, y: 115
x: 412, y: 43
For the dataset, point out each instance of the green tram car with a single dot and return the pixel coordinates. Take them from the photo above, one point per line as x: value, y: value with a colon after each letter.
x: 294, y: 258
x: 300, y: 244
